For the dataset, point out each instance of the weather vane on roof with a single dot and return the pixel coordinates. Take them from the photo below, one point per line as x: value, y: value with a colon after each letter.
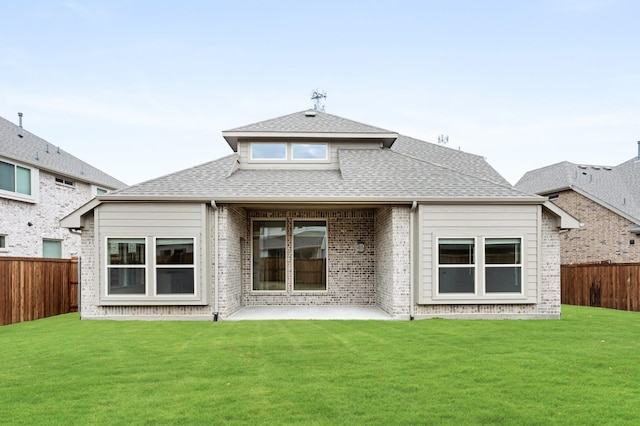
x: 318, y: 100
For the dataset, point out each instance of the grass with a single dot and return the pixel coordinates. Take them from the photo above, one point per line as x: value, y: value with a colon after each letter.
x: 583, y: 369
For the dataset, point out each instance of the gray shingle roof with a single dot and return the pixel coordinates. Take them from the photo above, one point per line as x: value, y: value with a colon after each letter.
x: 37, y: 152
x: 411, y: 169
x: 300, y: 122
x: 615, y: 187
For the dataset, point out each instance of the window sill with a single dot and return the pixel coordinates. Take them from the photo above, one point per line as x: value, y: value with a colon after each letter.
x: 18, y: 197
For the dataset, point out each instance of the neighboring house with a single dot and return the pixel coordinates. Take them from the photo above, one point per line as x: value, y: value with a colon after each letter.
x: 606, y: 200
x: 315, y: 209
x: 40, y: 184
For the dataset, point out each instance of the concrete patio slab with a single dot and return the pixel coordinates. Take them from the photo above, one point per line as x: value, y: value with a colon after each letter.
x: 309, y: 313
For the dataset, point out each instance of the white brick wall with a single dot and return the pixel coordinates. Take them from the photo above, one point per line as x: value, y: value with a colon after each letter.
x: 351, y: 275
x: 393, y: 277
x: 55, y: 202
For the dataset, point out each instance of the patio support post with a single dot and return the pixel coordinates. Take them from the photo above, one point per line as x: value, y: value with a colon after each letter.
x: 412, y: 227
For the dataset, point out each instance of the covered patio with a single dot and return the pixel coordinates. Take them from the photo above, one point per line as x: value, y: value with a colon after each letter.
x: 293, y: 312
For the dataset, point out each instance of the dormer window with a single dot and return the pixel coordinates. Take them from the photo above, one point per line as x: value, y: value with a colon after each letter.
x: 268, y: 151
x: 289, y: 152
x: 309, y: 151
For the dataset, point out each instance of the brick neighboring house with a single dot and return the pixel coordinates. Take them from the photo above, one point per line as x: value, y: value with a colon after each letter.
x: 39, y: 185
x: 314, y: 209
x: 606, y: 200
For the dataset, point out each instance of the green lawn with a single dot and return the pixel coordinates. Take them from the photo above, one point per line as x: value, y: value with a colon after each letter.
x: 583, y: 369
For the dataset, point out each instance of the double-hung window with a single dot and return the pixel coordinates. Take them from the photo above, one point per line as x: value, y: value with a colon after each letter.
x: 150, y: 267
x: 479, y: 266
x: 503, y: 265
x: 305, y: 244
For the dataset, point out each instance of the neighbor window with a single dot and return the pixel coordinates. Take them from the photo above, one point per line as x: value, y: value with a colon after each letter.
x: 14, y: 178
x: 3, y: 241
x: 131, y: 271
x: 309, y: 151
x: 100, y: 191
x: 65, y: 182
x: 269, y: 248
x: 310, y: 255
x: 268, y: 151
x: 52, y: 249
x: 499, y: 261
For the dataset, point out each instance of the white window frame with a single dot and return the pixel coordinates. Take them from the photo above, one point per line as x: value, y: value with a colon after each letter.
x: 4, y: 246
x: 486, y: 265
x: 289, y: 158
x: 269, y: 160
x: 480, y: 295
x: 157, y: 266
x: 151, y: 296
x: 292, y: 146
x: 473, y: 265
x: 35, y: 187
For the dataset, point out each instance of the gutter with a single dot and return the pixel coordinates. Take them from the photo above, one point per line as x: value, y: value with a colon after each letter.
x: 216, y: 289
x: 412, y: 274
x: 534, y: 199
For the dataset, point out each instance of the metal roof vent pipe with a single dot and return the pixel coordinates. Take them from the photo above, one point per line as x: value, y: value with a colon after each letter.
x: 638, y: 158
x: 20, y: 125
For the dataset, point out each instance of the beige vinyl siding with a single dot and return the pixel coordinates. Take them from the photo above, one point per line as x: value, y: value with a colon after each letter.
x: 333, y: 164
x: 477, y: 221
x: 159, y: 220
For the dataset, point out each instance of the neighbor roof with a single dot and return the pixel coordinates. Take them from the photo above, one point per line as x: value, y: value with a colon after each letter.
x: 309, y: 124
x: 37, y: 152
x: 616, y: 188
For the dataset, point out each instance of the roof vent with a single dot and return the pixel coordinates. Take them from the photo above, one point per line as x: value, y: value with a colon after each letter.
x: 595, y: 167
x: 582, y: 166
x: 20, y: 125
x: 310, y: 113
x: 606, y: 167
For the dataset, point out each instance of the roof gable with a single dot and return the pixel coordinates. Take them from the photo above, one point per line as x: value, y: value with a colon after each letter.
x: 309, y: 124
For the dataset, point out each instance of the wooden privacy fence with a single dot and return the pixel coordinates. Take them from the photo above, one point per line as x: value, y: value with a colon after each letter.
x: 33, y: 288
x: 614, y: 286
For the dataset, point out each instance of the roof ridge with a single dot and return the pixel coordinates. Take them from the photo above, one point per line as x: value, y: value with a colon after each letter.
x: 442, y: 166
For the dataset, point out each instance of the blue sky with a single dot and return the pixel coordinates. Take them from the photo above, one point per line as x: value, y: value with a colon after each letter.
x: 141, y: 89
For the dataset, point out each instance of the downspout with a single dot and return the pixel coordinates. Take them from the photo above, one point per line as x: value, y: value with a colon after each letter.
x: 412, y: 226
x: 216, y: 228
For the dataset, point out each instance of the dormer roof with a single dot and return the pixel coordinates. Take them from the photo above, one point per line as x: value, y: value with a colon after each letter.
x: 309, y: 124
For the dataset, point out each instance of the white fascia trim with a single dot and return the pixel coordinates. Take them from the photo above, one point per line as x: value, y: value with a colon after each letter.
x: 329, y: 200
x: 565, y: 220
x: 74, y: 219
x: 233, y: 137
